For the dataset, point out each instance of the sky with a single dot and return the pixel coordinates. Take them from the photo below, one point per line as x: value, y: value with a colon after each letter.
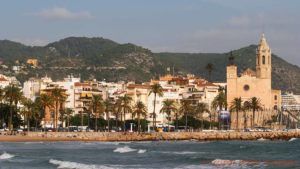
x: 159, y: 25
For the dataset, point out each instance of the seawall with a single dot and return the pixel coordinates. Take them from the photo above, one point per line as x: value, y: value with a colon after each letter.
x: 105, y: 136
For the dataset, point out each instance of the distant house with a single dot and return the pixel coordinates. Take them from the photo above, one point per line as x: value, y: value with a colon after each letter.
x: 16, y: 69
x: 33, y: 62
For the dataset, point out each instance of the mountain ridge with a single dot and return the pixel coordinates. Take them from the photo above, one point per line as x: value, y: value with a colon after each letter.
x: 106, y: 59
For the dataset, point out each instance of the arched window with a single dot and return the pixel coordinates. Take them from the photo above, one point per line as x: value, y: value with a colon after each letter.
x: 269, y: 59
x: 258, y: 60
x: 263, y: 60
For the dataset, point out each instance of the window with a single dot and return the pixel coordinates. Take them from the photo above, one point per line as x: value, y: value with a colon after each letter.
x: 275, y: 107
x: 246, y: 87
x: 258, y: 60
x: 263, y: 60
x: 275, y: 97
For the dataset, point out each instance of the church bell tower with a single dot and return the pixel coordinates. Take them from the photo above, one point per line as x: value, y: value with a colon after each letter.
x: 263, y: 59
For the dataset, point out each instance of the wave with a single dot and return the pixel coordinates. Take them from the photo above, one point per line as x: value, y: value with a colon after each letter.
x: 293, y: 139
x: 179, y: 152
x: 141, y: 151
x: 6, y: 156
x: 75, y: 165
x: 262, y: 139
x: 125, y: 149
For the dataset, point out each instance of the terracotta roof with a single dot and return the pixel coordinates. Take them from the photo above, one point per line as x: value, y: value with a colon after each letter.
x: 82, y: 84
x: 203, y: 83
x: 3, y: 79
x: 143, y: 86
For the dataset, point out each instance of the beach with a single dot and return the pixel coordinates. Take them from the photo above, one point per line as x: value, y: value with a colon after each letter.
x: 155, y: 136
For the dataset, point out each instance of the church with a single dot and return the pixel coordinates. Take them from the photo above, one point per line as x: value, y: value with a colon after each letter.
x: 256, y: 83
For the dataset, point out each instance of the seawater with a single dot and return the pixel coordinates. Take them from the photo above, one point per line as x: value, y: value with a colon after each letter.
x: 161, y: 154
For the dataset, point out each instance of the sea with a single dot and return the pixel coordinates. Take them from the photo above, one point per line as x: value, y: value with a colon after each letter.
x: 159, y: 154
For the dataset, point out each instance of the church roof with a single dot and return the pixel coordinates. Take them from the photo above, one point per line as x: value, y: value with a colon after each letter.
x: 249, y: 72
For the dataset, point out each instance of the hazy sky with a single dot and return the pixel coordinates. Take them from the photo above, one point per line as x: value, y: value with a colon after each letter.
x: 160, y: 25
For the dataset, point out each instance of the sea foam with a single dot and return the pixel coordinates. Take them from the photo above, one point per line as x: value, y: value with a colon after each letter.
x: 6, y: 156
x: 125, y: 149
x: 142, y: 151
x: 293, y: 139
x: 75, y: 165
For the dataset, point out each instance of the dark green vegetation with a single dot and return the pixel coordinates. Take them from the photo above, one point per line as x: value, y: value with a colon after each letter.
x: 104, y: 59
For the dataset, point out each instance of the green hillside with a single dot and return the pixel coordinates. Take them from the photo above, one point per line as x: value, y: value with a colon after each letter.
x: 101, y: 58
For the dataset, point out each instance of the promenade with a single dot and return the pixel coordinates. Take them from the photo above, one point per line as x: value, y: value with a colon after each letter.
x: 165, y: 136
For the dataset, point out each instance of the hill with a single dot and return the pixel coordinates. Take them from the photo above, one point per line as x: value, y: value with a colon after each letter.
x: 102, y: 58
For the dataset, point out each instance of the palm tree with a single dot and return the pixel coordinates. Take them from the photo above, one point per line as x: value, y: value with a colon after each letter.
x: 97, y: 108
x: 117, y: 108
x: 108, y: 104
x: 2, y: 92
x: 237, y: 106
x: 68, y: 112
x: 12, y: 95
x: 156, y: 89
x: 209, y: 67
x: 253, y: 105
x: 36, y: 112
x: 168, y: 107
x: 125, y: 104
x: 58, y: 96
x: 44, y: 101
x: 186, y: 109
x: 219, y: 102
x: 27, y: 111
x: 139, y: 110
x: 201, y: 108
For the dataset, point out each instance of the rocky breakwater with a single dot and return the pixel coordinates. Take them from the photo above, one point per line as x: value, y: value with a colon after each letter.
x: 200, y: 136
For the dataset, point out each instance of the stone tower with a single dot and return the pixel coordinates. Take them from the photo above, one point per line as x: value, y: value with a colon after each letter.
x: 263, y: 59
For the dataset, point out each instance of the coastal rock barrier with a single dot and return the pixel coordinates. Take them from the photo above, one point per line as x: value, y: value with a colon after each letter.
x: 200, y: 136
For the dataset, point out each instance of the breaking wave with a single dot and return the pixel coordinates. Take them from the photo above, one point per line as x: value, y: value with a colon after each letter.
x: 179, y: 152
x: 293, y: 139
x: 125, y: 149
x: 75, y: 165
x: 141, y: 151
x: 6, y: 156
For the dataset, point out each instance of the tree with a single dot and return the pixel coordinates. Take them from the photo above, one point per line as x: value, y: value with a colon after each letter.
x: 58, y: 96
x: 200, y: 109
x: 45, y: 101
x: 139, y: 111
x: 97, y: 108
x: 237, y: 106
x: 2, y: 92
x: 209, y: 67
x: 27, y: 111
x: 220, y: 101
x: 125, y: 104
x: 156, y: 89
x: 169, y: 107
x: 12, y: 95
x: 186, y: 109
x: 68, y: 112
x: 117, y: 108
x: 108, y: 104
x: 254, y: 105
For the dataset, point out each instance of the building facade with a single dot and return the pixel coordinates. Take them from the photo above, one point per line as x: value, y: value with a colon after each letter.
x: 255, y: 83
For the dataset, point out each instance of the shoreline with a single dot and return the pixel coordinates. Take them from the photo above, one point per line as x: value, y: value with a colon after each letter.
x: 127, y: 137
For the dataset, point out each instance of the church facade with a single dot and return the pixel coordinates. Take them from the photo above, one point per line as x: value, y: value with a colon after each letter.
x: 255, y: 83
